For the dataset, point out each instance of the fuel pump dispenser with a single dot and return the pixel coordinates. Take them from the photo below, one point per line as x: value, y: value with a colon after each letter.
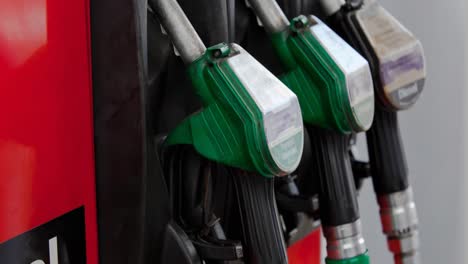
x: 398, y: 66
x: 250, y: 121
x: 325, y: 71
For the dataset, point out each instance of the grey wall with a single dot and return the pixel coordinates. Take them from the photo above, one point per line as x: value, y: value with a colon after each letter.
x: 433, y: 133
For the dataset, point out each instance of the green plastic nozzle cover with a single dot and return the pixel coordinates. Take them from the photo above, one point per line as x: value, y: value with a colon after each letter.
x: 332, y: 81
x: 249, y: 120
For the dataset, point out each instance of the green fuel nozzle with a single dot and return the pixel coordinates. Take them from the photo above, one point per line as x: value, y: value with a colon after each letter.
x: 332, y: 81
x: 325, y: 68
x: 398, y: 67
x: 334, y: 85
x: 250, y: 119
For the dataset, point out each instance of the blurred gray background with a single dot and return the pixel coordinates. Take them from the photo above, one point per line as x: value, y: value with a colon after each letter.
x: 434, y: 135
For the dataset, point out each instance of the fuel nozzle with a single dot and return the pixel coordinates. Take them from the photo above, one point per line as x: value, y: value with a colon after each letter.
x: 314, y: 56
x: 334, y: 85
x: 391, y: 185
x: 398, y: 67
x: 249, y: 121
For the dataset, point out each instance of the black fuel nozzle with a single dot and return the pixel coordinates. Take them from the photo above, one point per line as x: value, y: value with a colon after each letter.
x: 398, y: 68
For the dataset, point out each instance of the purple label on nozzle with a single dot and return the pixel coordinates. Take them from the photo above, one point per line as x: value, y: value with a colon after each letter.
x: 392, y: 69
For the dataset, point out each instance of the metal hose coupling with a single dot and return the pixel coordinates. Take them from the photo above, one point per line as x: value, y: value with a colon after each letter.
x: 345, y: 241
x: 400, y: 225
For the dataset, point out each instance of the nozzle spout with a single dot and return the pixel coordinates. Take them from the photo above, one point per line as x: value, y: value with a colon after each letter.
x: 270, y: 14
x: 180, y: 30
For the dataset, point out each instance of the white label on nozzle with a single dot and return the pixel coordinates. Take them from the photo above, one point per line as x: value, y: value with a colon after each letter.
x: 355, y: 68
x: 282, y: 118
x: 400, y: 54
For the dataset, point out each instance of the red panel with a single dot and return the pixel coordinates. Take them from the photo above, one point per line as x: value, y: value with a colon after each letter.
x: 306, y: 250
x: 46, y: 133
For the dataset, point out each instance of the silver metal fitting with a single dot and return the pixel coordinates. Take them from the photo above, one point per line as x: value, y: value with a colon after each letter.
x: 398, y: 213
x: 345, y: 241
x: 407, y: 259
x: 400, y: 223
x: 405, y: 249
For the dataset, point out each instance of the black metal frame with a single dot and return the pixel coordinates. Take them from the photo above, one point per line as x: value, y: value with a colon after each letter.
x: 132, y: 202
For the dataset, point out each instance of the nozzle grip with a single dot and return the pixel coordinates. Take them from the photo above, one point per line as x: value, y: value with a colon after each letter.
x: 331, y: 163
x: 386, y: 154
x: 262, y: 237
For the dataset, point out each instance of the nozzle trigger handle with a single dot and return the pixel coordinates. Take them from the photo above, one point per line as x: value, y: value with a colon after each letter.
x: 331, y: 163
x: 262, y: 236
x: 386, y: 154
